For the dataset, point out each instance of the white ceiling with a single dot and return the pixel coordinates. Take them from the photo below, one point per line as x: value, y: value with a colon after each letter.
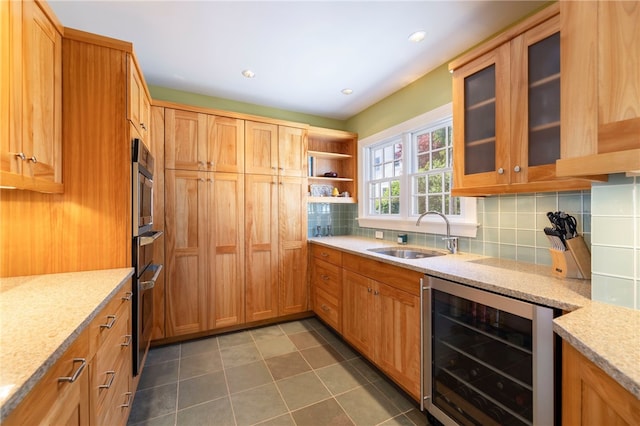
x: 303, y: 52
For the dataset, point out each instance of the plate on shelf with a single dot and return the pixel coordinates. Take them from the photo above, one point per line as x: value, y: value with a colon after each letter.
x: 321, y: 190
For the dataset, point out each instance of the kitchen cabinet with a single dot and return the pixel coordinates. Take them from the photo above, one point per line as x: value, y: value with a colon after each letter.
x: 601, y: 98
x: 506, y: 107
x: 381, y: 317
x: 156, y: 145
x: 204, y: 220
x: 31, y: 97
x: 139, y: 107
x: 326, y: 285
x: 198, y: 141
x: 333, y: 151
x: 590, y: 396
x: 276, y: 246
x: 275, y: 149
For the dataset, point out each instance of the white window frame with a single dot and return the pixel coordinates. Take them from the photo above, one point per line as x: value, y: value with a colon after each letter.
x: 464, y: 225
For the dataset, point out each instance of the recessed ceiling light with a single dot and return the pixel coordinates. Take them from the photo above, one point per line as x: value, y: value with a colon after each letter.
x: 418, y: 36
x: 347, y: 91
x: 248, y: 73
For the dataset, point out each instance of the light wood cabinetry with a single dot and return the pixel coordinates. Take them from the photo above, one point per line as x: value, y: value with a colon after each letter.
x: 506, y: 106
x: 204, y: 225
x: 156, y: 145
x: 198, y: 141
x: 272, y: 149
x: 326, y: 285
x: 31, y: 97
x: 139, y: 107
x: 601, y: 97
x: 90, y: 384
x: 333, y: 151
x: 382, y: 319
x: 590, y: 396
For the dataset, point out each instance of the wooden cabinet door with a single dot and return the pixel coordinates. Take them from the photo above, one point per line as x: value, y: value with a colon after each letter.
x: 292, y: 151
x: 481, y: 117
x: 226, y: 255
x: 357, y: 311
x: 186, y: 239
x: 42, y: 95
x: 261, y: 246
x: 398, y: 336
x: 226, y: 144
x: 535, y: 103
x: 10, y: 79
x: 185, y: 140
x: 261, y: 148
x: 292, y: 243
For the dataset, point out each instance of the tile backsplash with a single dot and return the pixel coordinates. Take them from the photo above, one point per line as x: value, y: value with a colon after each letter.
x: 615, y: 246
x: 511, y: 227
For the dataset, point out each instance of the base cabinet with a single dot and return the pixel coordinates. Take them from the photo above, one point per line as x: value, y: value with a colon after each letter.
x: 590, y: 396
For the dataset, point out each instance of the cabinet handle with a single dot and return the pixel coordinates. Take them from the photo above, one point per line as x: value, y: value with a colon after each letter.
x: 143, y: 126
x: 127, y: 296
x: 325, y: 308
x: 210, y: 163
x: 20, y: 155
x: 129, y: 398
x: 127, y: 342
x: 324, y: 254
x: 282, y: 169
x: 112, y: 320
x: 516, y: 169
x: 500, y: 171
x: 76, y: 374
x: 377, y: 292
x: 201, y: 179
x: 112, y: 376
x: 368, y: 289
x: 324, y: 277
x: 33, y: 159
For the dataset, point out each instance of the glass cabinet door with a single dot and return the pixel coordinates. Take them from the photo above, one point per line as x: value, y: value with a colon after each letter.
x: 481, y: 119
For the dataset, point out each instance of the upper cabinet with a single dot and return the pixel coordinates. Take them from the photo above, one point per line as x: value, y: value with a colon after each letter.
x: 203, y: 142
x: 272, y: 149
x: 506, y: 106
x: 333, y: 152
x: 139, y: 108
x: 601, y: 98
x: 31, y: 97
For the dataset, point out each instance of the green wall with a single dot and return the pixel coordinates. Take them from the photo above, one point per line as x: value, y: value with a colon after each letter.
x: 428, y: 92
x: 194, y: 99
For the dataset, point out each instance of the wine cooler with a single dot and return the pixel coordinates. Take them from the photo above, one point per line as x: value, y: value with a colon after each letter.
x: 486, y: 359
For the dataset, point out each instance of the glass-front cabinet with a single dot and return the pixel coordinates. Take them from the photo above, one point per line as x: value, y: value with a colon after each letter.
x: 506, y: 112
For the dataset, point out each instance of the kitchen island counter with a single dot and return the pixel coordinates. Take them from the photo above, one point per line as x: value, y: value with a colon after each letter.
x: 40, y: 317
x: 607, y: 335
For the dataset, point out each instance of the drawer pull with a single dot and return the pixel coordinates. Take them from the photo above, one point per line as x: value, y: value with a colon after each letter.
x: 127, y: 296
x: 368, y: 289
x: 112, y: 376
x: 325, y: 308
x: 324, y: 277
x: 76, y: 374
x: 112, y: 321
x: 324, y: 254
x: 129, y: 398
x: 127, y: 342
x: 376, y: 292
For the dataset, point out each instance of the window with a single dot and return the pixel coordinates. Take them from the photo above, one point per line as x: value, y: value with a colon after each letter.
x: 407, y: 170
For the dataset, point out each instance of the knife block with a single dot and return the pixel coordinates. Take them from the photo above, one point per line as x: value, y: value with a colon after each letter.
x: 574, y: 262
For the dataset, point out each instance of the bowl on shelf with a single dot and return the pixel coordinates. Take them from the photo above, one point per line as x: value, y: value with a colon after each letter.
x: 331, y: 174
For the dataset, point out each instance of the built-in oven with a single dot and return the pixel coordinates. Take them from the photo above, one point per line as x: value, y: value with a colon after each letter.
x: 146, y: 271
x: 487, y: 359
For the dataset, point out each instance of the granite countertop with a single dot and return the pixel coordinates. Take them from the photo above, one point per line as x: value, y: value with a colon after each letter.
x: 40, y: 317
x: 607, y: 335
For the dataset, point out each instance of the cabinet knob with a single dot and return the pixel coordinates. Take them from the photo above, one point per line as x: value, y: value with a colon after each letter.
x: 369, y: 289
x: 377, y: 292
x: 21, y: 156
x: 500, y: 171
x: 210, y: 163
x: 517, y: 169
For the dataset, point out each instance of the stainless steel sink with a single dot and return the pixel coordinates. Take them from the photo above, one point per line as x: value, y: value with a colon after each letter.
x: 407, y: 253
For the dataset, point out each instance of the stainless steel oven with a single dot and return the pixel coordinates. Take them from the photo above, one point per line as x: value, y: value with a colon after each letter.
x: 146, y: 271
x: 487, y: 359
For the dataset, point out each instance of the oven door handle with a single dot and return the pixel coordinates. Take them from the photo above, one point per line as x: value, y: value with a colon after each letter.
x: 148, y: 285
x: 150, y: 237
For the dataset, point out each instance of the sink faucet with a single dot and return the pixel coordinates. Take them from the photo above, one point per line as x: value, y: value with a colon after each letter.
x: 452, y: 242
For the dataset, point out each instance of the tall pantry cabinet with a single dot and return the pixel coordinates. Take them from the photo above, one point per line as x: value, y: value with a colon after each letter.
x: 204, y: 226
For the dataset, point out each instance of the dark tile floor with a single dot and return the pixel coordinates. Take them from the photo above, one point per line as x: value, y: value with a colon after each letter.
x: 295, y: 373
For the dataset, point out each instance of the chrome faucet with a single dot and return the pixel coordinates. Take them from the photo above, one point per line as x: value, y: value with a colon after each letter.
x: 452, y: 242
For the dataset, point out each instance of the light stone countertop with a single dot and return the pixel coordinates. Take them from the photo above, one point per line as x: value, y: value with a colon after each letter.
x: 40, y: 317
x: 607, y: 335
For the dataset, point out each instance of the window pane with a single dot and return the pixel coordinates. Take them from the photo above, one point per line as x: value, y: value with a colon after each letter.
x: 421, y: 185
x: 435, y: 203
x: 439, y: 138
x: 447, y: 182
x: 377, y: 156
x: 423, y: 162
x: 398, y: 168
x: 420, y: 205
x: 398, y: 152
x: 395, y: 205
x: 388, y: 153
x: 377, y: 172
x: 439, y: 159
x: 435, y: 184
x: 422, y: 142
x: 388, y: 170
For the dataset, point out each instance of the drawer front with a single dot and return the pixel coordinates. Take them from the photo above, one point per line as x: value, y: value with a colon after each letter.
x: 327, y: 277
x: 118, y: 306
x: 327, y: 254
x: 395, y: 276
x: 114, y: 409
x: 113, y: 353
x: 327, y: 307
